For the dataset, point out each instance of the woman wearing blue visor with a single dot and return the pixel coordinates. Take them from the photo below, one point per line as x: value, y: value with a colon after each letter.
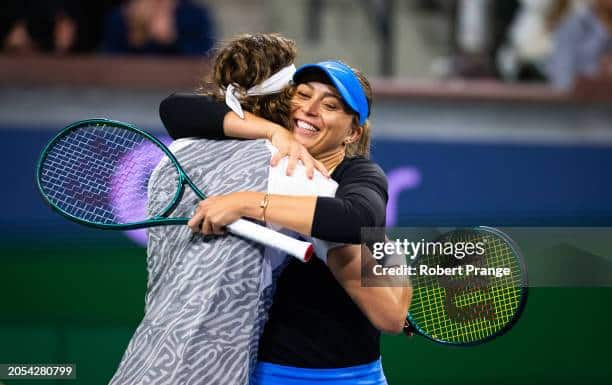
x: 315, y: 332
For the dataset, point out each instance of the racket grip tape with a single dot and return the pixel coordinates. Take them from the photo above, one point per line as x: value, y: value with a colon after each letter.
x: 294, y: 247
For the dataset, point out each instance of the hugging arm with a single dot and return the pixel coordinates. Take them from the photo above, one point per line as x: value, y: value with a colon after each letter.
x: 359, y: 202
x: 385, y: 306
x: 191, y: 115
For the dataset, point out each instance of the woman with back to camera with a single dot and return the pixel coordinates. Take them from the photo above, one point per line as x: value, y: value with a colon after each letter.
x: 206, y: 300
x: 319, y: 329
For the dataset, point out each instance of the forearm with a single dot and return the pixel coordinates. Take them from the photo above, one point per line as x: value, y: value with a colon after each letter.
x: 251, y: 127
x: 192, y: 115
x: 385, y: 306
x: 340, y: 222
x: 186, y: 115
x: 389, y: 301
x: 291, y: 212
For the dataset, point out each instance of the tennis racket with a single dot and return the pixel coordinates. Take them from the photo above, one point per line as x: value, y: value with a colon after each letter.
x: 88, y: 174
x: 468, y: 309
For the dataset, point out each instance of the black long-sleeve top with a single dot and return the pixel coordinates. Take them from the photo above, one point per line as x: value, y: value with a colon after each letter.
x: 361, y: 197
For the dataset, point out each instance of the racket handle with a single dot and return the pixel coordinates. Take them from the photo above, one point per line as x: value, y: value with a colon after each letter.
x: 247, y: 229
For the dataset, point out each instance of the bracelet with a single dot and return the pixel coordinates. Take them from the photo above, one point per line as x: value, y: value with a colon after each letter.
x: 264, y: 205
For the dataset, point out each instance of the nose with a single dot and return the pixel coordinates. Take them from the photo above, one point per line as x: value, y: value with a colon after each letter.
x: 311, y: 107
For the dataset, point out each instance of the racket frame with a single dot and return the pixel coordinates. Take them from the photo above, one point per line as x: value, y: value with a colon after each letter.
x: 412, y: 327
x: 300, y: 249
x: 157, y: 220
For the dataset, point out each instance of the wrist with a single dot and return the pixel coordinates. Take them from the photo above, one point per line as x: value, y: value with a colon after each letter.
x: 251, y: 204
x: 270, y: 131
x: 274, y: 130
x: 263, y: 205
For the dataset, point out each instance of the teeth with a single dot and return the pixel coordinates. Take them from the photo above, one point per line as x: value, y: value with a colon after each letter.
x: 306, y: 126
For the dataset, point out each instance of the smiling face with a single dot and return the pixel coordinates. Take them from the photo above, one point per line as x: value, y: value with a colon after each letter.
x: 320, y: 120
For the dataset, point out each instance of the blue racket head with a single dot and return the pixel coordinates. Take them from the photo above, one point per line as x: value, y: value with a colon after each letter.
x: 96, y: 172
x: 467, y: 310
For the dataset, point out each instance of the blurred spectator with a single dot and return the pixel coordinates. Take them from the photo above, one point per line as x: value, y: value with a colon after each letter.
x: 30, y: 26
x: 175, y: 27
x: 580, y: 43
x: 52, y: 26
x: 90, y: 16
x: 504, y: 14
x: 529, y: 42
x: 479, y: 29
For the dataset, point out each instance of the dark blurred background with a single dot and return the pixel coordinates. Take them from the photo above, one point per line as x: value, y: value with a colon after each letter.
x: 486, y: 112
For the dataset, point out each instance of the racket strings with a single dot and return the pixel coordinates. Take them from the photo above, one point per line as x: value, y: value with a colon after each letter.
x: 460, y: 310
x: 99, y: 173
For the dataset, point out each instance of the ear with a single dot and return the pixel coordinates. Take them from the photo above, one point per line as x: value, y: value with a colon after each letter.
x: 354, y: 135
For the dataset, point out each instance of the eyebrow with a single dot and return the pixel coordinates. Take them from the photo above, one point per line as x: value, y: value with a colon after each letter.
x: 333, y: 95
x: 327, y: 93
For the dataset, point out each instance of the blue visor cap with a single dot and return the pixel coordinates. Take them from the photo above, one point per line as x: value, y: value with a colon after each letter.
x: 345, y: 81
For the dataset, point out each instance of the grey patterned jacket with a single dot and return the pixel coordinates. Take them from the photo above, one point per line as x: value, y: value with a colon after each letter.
x: 207, y: 299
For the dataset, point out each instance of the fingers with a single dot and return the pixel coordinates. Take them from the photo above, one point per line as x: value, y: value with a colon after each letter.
x: 277, y: 157
x: 299, y: 153
x: 195, y: 223
x: 207, y: 227
x: 217, y: 229
x: 210, y: 218
x: 309, y: 164
x: 201, y: 221
x: 322, y: 169
x: 293, y: 158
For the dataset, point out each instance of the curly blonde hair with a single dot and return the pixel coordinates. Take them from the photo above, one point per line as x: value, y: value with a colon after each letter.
x: 248, y: 60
